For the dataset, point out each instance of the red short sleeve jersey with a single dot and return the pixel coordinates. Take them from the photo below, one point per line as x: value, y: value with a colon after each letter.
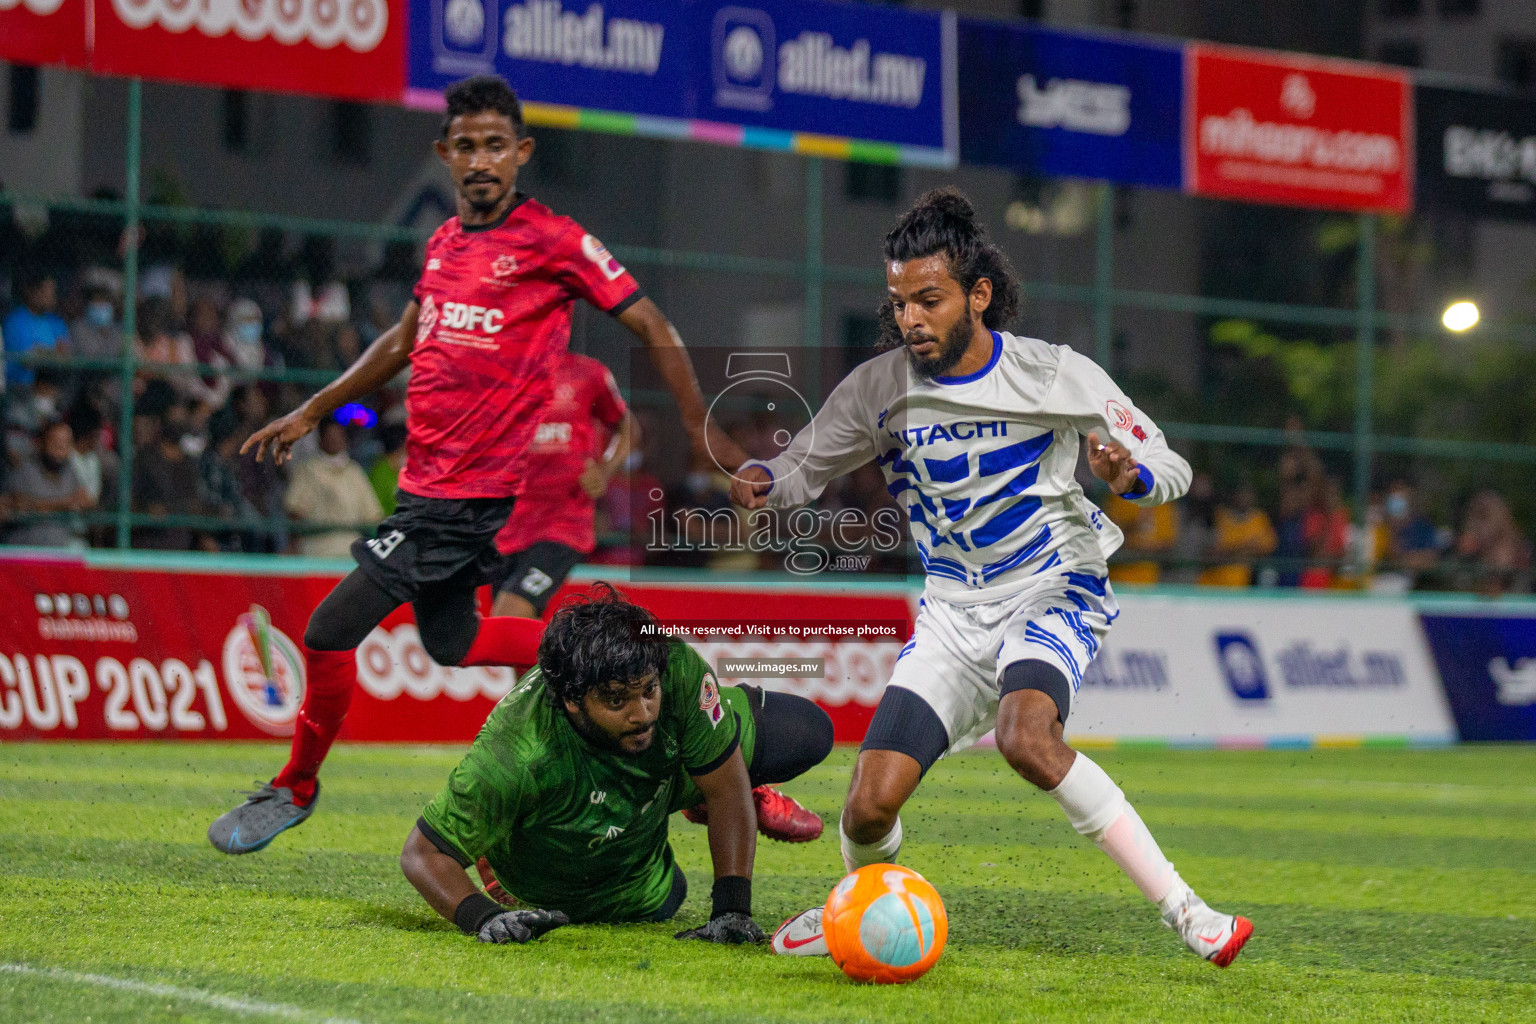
x: 577, y: 423
x: 495, y: 315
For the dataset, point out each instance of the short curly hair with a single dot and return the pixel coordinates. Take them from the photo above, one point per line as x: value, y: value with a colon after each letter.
x: 597, y: 639
x: 482, y: 93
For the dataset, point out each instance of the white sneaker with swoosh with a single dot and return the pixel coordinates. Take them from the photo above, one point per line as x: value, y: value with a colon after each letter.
x: 801, y: 935
x: 1215, y: 936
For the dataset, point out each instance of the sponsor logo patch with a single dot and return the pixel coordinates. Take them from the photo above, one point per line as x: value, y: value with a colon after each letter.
x: 1119, y: 415
x: 595, y: 251
x: 709, y: 699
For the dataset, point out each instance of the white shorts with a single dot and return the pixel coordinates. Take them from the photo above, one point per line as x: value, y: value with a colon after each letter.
x: 957, y: 654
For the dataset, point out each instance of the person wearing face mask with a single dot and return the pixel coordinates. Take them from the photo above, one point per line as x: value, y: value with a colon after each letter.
x: 332, y: 488
x: 1415, y: 542
x: 49, y: 485
x: 242, y: 336
x: 96, y: 333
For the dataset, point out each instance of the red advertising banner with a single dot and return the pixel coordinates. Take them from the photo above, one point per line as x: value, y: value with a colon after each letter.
x: 106, y: 652
x: 43, y: 32
x: 1303, y: 131
x: 352, y: 49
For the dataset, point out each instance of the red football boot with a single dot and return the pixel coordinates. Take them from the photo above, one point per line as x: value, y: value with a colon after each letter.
x: 778, y: 817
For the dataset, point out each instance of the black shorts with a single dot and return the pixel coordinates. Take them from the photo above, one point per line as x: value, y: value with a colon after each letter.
x: 434, y: 540
x: 536, y: 572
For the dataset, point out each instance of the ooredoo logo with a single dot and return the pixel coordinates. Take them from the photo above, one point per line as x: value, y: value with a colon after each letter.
x: 270, y: 701
x: 391, y: 662
x: 38, y: 7
x: 359, y: 24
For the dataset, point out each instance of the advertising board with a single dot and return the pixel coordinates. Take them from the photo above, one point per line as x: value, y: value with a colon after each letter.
x: 1054, y: 103
x: 1285, y: 128
x: 847, y: 80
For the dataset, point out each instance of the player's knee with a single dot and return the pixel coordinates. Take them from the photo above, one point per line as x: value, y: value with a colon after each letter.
x: 870, y: 814
x: 447, y: 645
x: 323, y: 633
x: 1028, y: 753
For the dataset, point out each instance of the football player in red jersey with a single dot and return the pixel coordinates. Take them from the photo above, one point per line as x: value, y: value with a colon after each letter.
x: 550, y: 531
x: 491, y: 316
x: 586, y: 433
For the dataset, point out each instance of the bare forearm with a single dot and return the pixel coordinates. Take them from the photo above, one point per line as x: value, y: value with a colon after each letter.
x: 732, y: 819
x: 437, y: 876
x: 623, y: 444
x: 387, y: 356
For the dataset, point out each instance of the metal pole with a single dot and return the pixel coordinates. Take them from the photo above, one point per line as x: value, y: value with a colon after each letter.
x: 1365, y: 358
x: 130, y: 311
x: 1104, y: 279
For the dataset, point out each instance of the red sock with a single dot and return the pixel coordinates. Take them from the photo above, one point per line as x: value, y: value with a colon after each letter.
x: 330, y: 676
x: 506, y: 640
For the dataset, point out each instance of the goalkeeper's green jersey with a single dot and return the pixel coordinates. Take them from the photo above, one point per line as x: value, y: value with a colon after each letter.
x: 568, y: 826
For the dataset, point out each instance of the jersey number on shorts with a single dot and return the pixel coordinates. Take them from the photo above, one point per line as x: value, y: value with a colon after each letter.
x: 535, y: 582
x: 384, y: 546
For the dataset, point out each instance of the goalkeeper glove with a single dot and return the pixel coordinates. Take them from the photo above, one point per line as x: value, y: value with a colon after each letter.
x: 520, y: 925
x: 730, y: 929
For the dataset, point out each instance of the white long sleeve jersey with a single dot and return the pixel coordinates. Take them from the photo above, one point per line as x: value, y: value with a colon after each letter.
x: 984, y: 463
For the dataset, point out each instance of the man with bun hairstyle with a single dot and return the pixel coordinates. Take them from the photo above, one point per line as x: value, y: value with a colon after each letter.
x: 978, y: 432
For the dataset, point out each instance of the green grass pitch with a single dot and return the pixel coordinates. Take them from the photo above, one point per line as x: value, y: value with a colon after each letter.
x: 1386, y: 885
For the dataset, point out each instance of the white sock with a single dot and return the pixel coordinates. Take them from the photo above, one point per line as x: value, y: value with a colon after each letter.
x: 881, y: 851
x: 1097, y: 808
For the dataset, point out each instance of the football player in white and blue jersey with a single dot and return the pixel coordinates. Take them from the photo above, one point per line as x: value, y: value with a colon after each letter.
x: 978, y: 433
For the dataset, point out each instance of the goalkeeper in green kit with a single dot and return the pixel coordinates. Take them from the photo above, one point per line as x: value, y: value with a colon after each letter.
x: 566, y: 793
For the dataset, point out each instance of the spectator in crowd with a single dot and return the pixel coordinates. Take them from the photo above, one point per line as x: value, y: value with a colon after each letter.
x: 1196, y: 533
x: 1326, y: 530
x: 317, y: 294
x: 260, y: 484
x: 165, y: 483
x: 347, y: 345
x: 30, y: 408
x: 219, y: 485
x: 1414, y: 542
x: 702, y: 524
x: 95, y: 464
x: 1496, y: 553
x: 46, y: 484
x: 332, y: 489
x: 160, y: 344
x: 243, y: 337
x: 384, y: 474
x: 1150, y: 534
x: 97, y: 334
x: 33, y: 328
x: 1243, y: 533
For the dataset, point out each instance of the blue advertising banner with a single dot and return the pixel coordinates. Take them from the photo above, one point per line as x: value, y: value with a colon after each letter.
x: 1488, y: 668
x: 1057, y: 104
x: 841, y: 80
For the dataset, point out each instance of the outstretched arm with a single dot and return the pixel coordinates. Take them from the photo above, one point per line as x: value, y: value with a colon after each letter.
x: 443, y: 884
x: 671, y: 360
x: 387, y: 356
x: 732, y: 846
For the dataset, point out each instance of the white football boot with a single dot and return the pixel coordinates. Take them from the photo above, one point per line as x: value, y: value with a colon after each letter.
x: 801, y: 935
x: 1215, y: 936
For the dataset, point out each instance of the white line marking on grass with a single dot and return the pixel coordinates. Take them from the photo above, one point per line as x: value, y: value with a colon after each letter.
x: 253, y: 1007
